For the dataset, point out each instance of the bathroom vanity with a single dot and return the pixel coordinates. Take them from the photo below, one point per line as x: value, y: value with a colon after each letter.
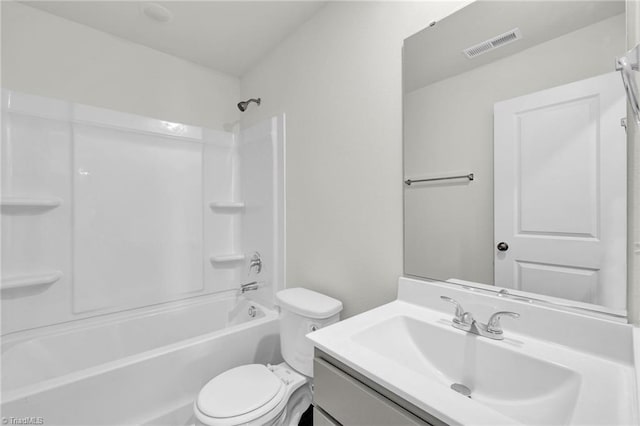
x: 406, y: 363
x: 343, y: 397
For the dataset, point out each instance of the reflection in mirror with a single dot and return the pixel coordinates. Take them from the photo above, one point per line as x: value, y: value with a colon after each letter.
x: 524, y: 96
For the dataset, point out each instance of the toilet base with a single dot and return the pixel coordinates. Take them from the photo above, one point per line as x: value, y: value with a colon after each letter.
x: 298, y: 403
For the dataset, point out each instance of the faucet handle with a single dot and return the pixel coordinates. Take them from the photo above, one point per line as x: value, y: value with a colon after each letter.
x: 255, y: 262
x: 459, y: 310
x: 493, y: 325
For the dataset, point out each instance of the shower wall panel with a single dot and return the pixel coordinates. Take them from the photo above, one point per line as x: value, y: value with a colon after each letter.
x: 36, y: 220
x: 137, y: 218
x: 104, y: 211
x: 222, y: 224
x: 260, y: 153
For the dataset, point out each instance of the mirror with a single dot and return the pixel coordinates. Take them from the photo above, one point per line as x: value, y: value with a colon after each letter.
x: 515, y: 153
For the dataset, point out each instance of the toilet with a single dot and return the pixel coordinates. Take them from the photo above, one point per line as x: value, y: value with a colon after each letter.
x: 272, y: 395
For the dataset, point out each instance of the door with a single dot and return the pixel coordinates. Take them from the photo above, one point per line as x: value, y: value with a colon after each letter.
x: 560, y: 192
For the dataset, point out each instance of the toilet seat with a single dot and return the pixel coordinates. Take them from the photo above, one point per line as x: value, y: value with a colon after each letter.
x: 249, y: 394
x: 240, y: 395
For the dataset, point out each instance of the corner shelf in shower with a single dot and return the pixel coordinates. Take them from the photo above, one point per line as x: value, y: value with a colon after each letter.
x: 227, y: 258
x: 226, y: 205
x: 23, y: 204
x: 30, y: 280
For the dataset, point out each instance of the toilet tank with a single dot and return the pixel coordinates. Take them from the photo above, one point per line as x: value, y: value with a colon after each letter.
x: 301, y: 312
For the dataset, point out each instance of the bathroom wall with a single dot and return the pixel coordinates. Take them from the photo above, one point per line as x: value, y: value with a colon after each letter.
x: 45, y: 55
x: 633, y: 134
x: 462, y: 215
x: 338, y: 79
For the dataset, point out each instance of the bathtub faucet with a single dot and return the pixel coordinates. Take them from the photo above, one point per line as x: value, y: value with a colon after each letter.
x: 253, y: 285
x: 255, y: 262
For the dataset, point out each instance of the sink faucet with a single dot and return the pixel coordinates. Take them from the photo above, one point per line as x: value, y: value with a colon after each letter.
x: 463, y: 320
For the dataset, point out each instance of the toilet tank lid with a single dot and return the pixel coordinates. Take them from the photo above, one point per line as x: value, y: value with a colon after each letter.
x: 308, y: 303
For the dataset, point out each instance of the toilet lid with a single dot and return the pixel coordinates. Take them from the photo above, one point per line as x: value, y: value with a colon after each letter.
x: 239, y: 391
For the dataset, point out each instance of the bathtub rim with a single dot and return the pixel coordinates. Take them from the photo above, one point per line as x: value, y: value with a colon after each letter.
x: 97, y: 320
x: 16, y: 394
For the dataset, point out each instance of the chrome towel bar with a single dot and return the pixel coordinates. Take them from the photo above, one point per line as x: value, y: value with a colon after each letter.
x: 408, y: 182
x: 626, y: 64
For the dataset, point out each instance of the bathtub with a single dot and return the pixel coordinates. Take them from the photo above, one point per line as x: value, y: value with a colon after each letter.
x: 142, y: 367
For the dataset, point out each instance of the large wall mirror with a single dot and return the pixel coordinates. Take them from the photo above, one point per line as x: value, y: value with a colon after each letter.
x: 515, y: 157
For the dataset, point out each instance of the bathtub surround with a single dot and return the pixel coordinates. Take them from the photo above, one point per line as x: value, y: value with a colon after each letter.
x: 260, y: 151
x: 142, y: 210
x: 338, y: 77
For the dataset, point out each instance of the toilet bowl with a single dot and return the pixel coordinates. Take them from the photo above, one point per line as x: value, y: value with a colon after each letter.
x: 272, y: 395
x: 254, y: 394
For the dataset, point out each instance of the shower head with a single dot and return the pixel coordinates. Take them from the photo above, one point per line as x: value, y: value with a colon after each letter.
x: 242, y: 106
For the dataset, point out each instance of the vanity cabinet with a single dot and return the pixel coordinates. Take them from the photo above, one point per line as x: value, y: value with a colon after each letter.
x: 344, y: 397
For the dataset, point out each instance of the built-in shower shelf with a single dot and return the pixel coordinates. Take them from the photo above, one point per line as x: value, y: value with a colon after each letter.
x: 226, y: 205
x: 16, y: 204
x: 227, y: 258
x: 30, y: 280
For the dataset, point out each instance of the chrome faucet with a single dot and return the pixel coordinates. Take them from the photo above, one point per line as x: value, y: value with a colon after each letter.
x: 463, y: 320
x: 492, y: 328
x: 253, y: 285
x: 255, y: 262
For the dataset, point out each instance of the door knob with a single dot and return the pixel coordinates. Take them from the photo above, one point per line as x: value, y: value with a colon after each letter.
x: 502, y: 246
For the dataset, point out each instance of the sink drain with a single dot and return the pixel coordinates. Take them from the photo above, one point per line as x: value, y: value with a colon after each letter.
x: 461, y: 389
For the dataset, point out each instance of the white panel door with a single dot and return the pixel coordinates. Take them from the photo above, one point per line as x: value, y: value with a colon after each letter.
x: 560, y: 192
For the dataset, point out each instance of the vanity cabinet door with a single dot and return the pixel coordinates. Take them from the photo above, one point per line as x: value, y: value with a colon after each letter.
x: 321, y: 419
x: 352, y: 403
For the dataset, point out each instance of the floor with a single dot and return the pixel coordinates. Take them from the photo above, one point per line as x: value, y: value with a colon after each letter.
x: 307, y: 417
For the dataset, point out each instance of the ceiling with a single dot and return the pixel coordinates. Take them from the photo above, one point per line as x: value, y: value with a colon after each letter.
x: 436, y: 53
x: 228, y: 36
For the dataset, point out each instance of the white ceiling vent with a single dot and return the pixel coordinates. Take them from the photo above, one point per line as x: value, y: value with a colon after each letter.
x: 493, y: 43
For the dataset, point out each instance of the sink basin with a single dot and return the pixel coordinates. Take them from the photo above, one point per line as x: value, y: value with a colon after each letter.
x: 524, y: 388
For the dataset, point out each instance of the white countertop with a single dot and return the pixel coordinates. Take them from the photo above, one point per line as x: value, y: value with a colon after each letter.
x: 607, y: 387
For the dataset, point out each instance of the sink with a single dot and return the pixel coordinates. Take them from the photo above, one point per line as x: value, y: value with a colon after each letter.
x: 527, y: 389
x: 553, y: 367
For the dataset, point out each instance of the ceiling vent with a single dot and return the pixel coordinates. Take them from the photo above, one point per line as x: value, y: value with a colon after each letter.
x: 493, y: 43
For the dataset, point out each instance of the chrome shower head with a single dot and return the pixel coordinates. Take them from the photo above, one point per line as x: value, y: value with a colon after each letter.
x: 242, y: 106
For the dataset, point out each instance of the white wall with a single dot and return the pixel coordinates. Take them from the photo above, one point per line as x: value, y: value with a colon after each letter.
x: 49, y: 56
x: 338, y: 79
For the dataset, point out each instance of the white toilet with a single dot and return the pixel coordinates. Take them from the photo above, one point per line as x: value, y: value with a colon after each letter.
x: 259, y: 395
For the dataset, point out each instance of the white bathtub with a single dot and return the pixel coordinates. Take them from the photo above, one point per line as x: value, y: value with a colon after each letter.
x: 136, y: 368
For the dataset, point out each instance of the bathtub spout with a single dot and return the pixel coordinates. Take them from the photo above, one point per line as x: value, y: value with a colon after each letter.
x: 253, y: 285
